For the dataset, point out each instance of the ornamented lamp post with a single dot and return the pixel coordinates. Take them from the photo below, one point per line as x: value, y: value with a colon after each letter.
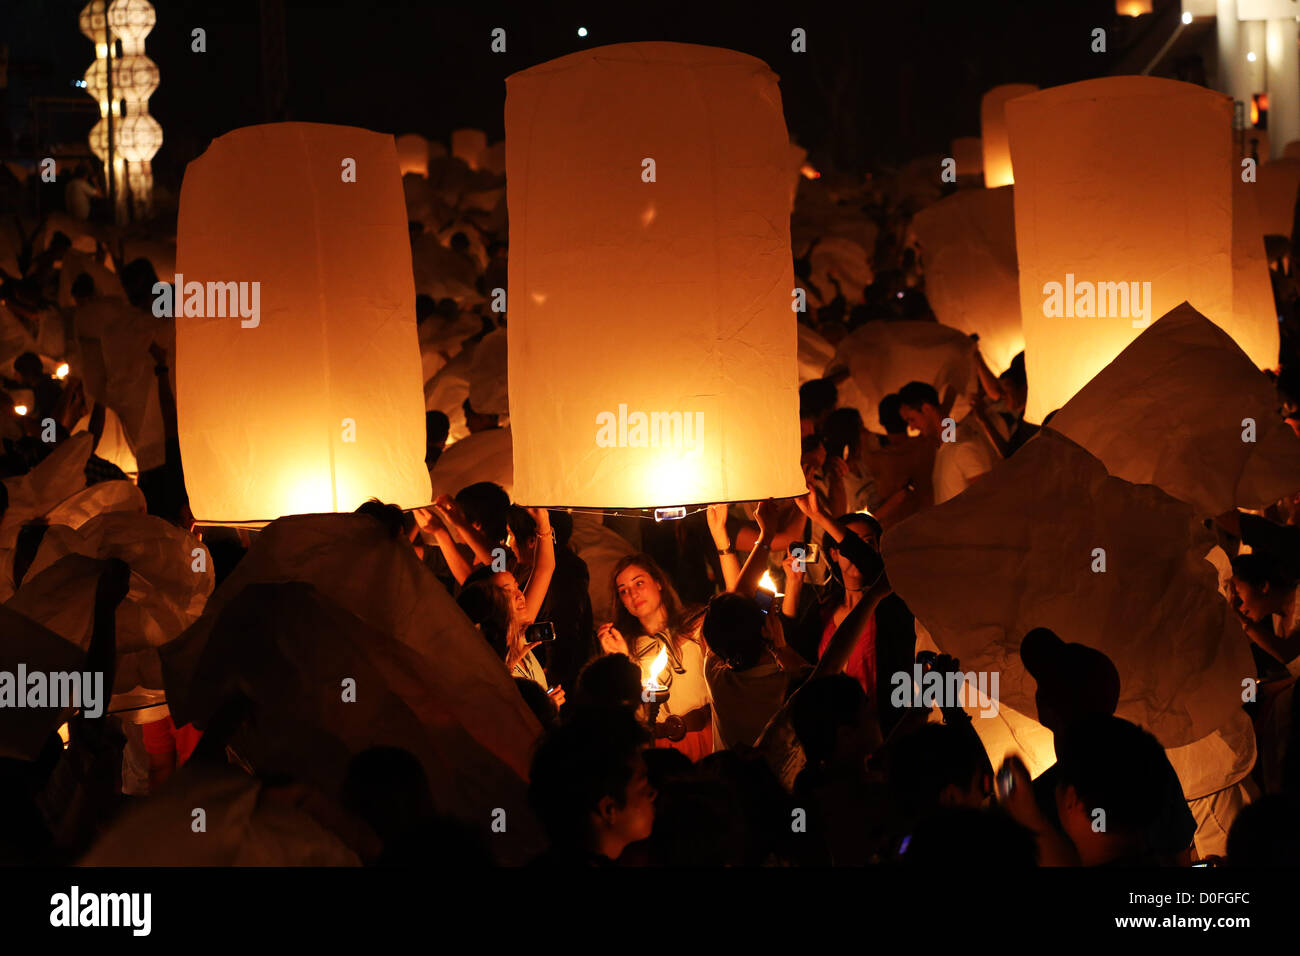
x: 135, y: 79
x: 126, y: 138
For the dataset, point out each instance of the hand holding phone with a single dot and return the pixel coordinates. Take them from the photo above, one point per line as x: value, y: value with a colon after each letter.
x: 540, y: 632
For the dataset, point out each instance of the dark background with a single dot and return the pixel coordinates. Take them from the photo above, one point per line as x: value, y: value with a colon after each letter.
x: 880, y: 82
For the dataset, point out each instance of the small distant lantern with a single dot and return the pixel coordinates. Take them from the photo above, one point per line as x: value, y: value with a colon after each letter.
x: 313, y: 404
x: 652, y: 338
x: 1123, y: 210
x: 993, y: 132
x: 1132, y: 8
x: 468, y: 145
x: 413, y: 154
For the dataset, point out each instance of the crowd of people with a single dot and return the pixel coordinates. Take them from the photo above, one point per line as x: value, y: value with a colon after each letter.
x: 720, y: 694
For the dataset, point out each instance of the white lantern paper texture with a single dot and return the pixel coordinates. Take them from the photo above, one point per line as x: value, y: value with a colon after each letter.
x: 968, y: 244
x: 1171, y: 411
x: 1124, y: 185
x: 650, y: 303
x: 264, y: 411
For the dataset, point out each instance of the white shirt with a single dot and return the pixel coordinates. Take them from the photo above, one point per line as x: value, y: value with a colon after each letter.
x: 76, y: 197
x: 688, y: 691
x: 531, y: 668
x: 958, y: 463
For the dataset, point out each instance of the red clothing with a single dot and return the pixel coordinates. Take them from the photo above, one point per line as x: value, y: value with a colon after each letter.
x: 164, y: 737
x: 696, y: 744
x: 862, y: 662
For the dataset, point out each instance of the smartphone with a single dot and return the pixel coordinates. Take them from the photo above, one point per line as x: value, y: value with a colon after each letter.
x: 810, y: 552
x: 765, y: 600
x: 1006, y: 782
x: 541, y: 631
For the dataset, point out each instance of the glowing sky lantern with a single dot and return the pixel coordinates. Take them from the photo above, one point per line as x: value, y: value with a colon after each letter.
x: 314, y: 403
x: 652, y: 341
x: 1132, y: 8
x: 993, y: 132
x: 413, y: 154
x: 1124, y: 210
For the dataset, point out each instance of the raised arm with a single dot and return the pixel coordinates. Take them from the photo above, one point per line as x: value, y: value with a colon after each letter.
x: 429, y: 523
x: 717, y: 515
x: 756, y: 563
x: 454, y: 518
x: 811, y: 505
x: 543, y: 563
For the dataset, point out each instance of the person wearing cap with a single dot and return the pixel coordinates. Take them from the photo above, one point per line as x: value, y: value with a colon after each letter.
x: 1076, y: 685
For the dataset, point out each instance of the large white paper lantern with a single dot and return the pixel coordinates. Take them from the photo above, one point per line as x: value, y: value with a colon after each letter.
x: 1172, y: 410
x: 968, y: 246
x: 315, y: 404
x: 993, y: 132
x: 638, y: 307
x: 1008, y: 555
x: 1123, y: 188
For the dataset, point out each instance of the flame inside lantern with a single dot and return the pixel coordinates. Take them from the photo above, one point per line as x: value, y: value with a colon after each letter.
x: 657, y: 667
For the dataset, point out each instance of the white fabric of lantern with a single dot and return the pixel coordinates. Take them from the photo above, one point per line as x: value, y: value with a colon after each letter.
x: 1172, y: 410
x: 993, y: 132
x: 968, y: 246
x: 1123, y: 211
x: 640, y: 306
x: 314, y: 405
x: 883, y: 356
x: 983, y: 569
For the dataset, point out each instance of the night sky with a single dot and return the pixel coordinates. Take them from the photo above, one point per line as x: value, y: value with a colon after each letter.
x: 881, y: 82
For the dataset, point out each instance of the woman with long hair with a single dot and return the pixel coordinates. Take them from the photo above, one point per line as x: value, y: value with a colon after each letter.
x: 503, y: 610
x: 649, y: 618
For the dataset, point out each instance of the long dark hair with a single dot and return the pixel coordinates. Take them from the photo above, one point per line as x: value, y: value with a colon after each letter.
x: 681, y: 619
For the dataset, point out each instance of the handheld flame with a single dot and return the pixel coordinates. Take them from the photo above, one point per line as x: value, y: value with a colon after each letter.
x: 767, y: 583
x: 651, y: 677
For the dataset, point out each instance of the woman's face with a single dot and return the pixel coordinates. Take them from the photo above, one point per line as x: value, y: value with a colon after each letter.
x: 1255, y: 603
x: 506, y: 582
x: 639, y: 592
x: 848, y: 570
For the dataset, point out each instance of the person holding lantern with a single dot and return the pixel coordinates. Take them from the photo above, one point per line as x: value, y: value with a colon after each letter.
x: 662, y: 637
